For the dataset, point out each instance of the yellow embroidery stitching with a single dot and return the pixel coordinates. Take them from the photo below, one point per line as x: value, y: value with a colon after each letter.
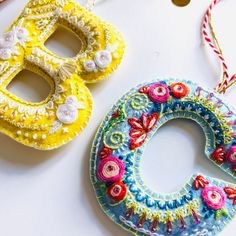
x: 60, y: 117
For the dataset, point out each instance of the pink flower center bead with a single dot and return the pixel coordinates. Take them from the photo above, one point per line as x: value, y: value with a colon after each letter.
x: 179, y: 88
x: 116, y: 191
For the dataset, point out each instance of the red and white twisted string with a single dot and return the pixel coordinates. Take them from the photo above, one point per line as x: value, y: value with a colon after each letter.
x: 209, y: 37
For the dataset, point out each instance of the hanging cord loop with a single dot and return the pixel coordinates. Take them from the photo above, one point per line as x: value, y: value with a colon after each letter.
x: 210, y: 37
x: 90, y: 5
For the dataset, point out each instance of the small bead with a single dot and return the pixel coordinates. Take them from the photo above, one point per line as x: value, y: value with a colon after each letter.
x: 65, y: 130
x: 44, y: 136
x: 26, y: 135
x: 18, y: 132
x: 115, y: 55
x: 35, y: 136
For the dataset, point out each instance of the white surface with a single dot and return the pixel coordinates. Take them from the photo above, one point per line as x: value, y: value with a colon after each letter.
x: 49, y: 193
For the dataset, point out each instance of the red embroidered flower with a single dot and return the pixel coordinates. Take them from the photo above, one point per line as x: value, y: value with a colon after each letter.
x: 231, y: 194
x: 117, y: 191
x: 141, y: 128
x: 179, y: 90
x: 104, y: 152
x: 219, y: 155
x: 144, y: 89
x: 200, y: 182
x: 115, y: 114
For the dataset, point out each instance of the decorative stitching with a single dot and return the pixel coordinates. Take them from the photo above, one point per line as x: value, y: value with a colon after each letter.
x: 203, y: 206
x: 53, y: 122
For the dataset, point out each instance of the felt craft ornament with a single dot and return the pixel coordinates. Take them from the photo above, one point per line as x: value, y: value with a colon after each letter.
x: 204, y: 205
x: 66, y: 111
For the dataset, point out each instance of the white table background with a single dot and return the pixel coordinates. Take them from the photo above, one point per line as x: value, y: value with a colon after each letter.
x: 49, y: 193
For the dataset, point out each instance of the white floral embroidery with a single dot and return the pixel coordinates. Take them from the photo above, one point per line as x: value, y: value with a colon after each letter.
x: 67, y: 113
x: 22, y: 35
x: 5, y: 53
x: 9, y: 40
x: 72, y: 100
x: 56, y: 125
x: 90, y: 66
x: 102, y: 59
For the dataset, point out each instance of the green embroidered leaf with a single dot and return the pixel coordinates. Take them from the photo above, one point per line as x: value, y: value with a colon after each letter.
x: 222, y: 212
x: 115, y: 120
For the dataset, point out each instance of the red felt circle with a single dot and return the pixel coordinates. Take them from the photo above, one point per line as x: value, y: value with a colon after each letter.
x: 121, y: 194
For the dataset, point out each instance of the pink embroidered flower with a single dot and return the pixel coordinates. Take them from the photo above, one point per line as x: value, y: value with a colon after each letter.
x: 159, y: 93
x: 231, y: 154
x: 111, y: 169
x: 141, y: 128
x: 213, y: 197
x: 200, y: 182
x: 231, y: 194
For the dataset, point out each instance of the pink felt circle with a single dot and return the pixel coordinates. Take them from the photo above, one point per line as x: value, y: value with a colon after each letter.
x: 159, y: 93
x: 213, y: 197
x: 111, y: 169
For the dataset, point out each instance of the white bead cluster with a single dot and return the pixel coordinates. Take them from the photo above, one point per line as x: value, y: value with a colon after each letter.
x: 9, y: 40
x: 68, y: 112
x: 102, y: 60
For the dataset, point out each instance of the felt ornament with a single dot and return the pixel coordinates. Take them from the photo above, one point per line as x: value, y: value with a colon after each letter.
x: 203, y: 205
x: 66, y: 111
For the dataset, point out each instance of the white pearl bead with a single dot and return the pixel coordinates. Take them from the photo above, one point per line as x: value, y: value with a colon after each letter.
x: 18, y: 132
